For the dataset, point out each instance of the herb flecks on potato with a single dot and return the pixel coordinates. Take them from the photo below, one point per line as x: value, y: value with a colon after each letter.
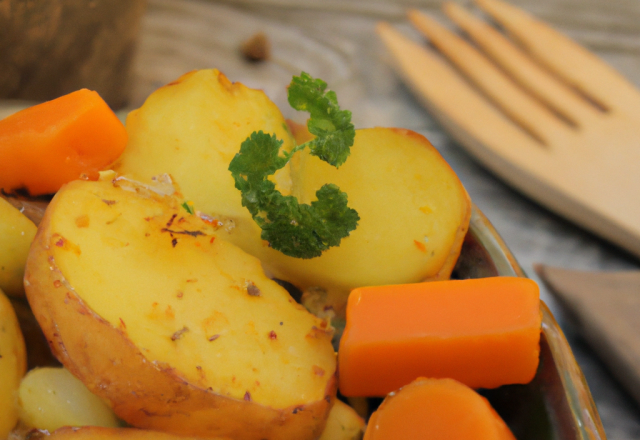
x: 180, y: 330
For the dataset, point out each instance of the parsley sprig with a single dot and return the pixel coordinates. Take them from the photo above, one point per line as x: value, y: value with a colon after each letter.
x: 295, y: 229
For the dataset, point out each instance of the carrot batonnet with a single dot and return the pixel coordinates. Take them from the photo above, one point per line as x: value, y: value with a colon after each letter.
x: 482, y: 332
x: 50, y: 144
x: 436, y: 409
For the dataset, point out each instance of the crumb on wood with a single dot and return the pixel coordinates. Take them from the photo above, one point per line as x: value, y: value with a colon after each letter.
x: 256, y: 48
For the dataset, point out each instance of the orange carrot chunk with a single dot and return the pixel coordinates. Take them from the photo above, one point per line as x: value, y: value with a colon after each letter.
x: 482, y: 332
x: 47, y: 145
x: 436, y: 409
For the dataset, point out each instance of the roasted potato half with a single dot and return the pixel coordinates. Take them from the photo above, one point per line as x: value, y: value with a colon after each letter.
x: 179, y: 330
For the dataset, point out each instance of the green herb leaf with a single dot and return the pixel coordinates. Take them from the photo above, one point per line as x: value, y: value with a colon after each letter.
x: 299, y: 230
x: 333, y: 128
x: 188, y: 206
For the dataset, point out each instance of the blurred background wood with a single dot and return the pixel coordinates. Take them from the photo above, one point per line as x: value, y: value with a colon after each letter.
x: 50, y: 48
x: 604, y: 306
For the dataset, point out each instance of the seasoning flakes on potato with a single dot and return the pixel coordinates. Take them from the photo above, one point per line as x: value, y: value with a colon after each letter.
x: 190, y: 336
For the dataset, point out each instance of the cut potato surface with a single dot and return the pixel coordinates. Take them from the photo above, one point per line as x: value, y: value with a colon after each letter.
x: 13, y: 363
x: 16, y: 234
x: 191, y: 129
x: 179, y: 330
x: 51, y: 397
x: 414, y: 212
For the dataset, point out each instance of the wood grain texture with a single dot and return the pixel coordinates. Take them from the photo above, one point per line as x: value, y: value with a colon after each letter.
x: 605, y: 306
x: 48, y: 49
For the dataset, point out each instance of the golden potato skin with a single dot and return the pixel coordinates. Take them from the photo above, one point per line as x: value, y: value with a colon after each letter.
x: 16, y: 234
x: 146, y: 392
x: 13, y: 364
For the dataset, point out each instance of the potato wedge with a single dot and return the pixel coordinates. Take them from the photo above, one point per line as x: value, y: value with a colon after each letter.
x: 13, y: 363
x: 50, y: 398
x: 181, y: 331
x: 16, y: 234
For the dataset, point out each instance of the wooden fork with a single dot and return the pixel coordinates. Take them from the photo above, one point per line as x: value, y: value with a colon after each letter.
x: 537, y: 109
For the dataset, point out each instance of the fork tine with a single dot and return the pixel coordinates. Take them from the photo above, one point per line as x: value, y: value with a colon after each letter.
x: 471, y: 120
x: 528, y: 73
x: 521, y: 107
x: 579, y: 67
